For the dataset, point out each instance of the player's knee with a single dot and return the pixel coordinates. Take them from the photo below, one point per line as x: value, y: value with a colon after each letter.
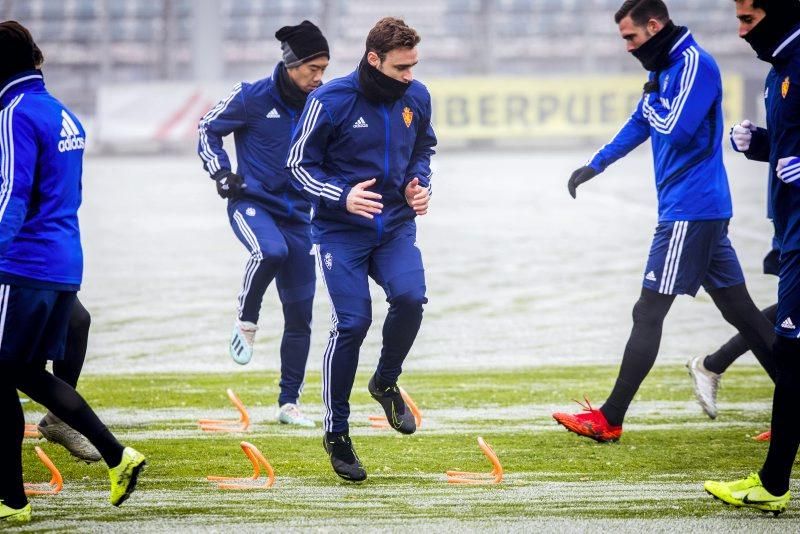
x: 354, y: 325
x: 647, y: 312
x: 272, y: 252
x: 411, y: 301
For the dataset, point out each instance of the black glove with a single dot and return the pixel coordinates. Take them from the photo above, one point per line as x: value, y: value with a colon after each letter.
x: 229, y: 184
x: 584, y: 174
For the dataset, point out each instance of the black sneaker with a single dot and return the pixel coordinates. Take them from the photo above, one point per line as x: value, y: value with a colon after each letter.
x: 343, y: 457
x: 397, y: 413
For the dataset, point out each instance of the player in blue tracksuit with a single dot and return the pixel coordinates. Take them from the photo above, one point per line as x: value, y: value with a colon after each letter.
x: 41, y: 265
x: 268, y: 216
x: 362, y: 153
x: 681, y: 113
x: 772, y: 27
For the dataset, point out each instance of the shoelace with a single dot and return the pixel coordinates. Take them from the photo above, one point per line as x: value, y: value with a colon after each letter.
x: 585, y: 407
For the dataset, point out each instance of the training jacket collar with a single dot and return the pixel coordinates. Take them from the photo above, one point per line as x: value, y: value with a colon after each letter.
x: 19, y: 83
x: 787, y: 46
x: 685, y: 41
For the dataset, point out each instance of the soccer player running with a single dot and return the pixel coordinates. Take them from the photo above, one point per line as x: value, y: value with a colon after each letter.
x: 41, y: 264
x: 362, y: 152
x: 681, y: 113
x: 69, y: 369
x: 269, y: 217
x: 772, y: 27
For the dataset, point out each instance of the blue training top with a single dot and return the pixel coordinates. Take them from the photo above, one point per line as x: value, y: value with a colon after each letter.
x: 344, y: 139
x: 262, y: 125
x: 41, y: 162
x: 684, y: 122
x: 781, y: 139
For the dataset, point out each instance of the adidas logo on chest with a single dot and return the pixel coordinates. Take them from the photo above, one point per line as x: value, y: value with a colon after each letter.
x: 788, y: 324
x: 360, y: 123
x: 273, y: 114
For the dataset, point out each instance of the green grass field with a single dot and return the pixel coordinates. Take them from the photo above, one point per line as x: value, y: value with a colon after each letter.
x: 555, y: 481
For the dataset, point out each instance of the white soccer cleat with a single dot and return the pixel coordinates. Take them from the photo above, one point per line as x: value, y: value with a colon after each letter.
x: 242, y: 340
x: 290, y: 414
x: 706, y: 384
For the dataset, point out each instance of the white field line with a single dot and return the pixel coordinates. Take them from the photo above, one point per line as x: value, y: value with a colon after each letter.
x: 544, y: 505
x: 131, y: 423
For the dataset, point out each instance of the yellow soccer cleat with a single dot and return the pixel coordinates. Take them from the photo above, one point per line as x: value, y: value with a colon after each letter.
x: 11, y: 515
x: 123, y: 477
x: 748, y: 493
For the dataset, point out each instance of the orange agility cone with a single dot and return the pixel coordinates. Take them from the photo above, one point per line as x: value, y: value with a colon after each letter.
x: 379, y: 421
x: 31, y: 431
x: 252, y: 482
x: 227, y: 425
x: 49, y: 488
x: 467, y: 477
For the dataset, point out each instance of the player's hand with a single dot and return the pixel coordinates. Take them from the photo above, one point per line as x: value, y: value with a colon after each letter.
x: 229, y: 184
x: 363, y: 202
x: 788, y: 169
x: 584, y: 174
x: 417, y: 197
x: 741, y: 135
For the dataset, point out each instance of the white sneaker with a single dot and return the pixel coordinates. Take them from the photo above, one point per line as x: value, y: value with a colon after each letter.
x: 706, y: 384
x: 242, y: 339
x: 290, y: 414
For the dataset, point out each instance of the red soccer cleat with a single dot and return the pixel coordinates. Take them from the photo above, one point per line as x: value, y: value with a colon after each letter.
x: 592, y: 424
x: 764, y: 436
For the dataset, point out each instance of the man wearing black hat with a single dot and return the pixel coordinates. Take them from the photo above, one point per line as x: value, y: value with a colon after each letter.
x: 267, y: 215
x: 772, y: 28
x: 41, y: 268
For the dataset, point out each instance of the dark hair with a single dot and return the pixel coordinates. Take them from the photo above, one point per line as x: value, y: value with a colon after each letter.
x: 391, y: 33
x: 18, y: 49
x: 641, y: 11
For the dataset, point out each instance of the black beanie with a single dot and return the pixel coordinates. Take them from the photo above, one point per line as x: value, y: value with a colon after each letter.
x: 18, y: 52
x: 301, y: 43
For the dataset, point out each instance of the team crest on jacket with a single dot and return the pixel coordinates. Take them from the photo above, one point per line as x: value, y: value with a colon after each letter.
x: 328, y: 259
x: 785, y: 87
x: 408, y: 115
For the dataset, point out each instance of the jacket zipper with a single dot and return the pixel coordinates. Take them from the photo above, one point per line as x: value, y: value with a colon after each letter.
x: 379, y: 218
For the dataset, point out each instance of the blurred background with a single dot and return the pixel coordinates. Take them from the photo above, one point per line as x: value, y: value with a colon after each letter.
x: 141, y: 72
x: 518, y: 273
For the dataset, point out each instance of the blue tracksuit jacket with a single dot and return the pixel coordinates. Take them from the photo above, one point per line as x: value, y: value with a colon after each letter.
x: 41, y: 162
x: 781, y: 139
x: 684, y: 123
x: 262, y: 126
x: 344, y: 139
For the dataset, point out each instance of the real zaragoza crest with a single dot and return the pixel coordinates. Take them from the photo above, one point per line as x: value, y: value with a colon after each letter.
x: 408, y: 115
x: 785, y: 87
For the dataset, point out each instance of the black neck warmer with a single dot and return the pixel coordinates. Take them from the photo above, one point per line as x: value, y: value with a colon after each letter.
x: 654, y: 54
x: 291, y: 94
x: 765, y: 36
x: 377, y: 86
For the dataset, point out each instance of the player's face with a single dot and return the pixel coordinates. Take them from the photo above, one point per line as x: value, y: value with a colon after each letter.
x: 308, y: 76
x: 748, y: 16
x: 398, y: 64
x: 635, y: 36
